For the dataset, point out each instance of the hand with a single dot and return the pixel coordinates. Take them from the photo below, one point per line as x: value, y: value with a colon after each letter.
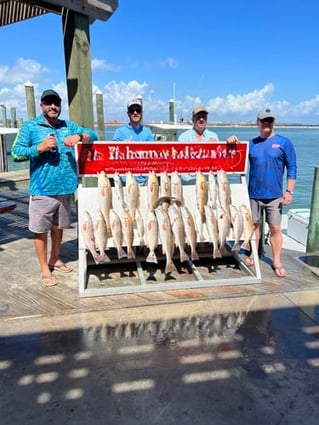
x: 287, y: 198
x: 72, y: 140
x: 48, y: 144
x: 232, y: 139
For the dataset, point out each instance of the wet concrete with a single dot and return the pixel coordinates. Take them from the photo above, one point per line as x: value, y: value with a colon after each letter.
x: 232, y: 363
x: 242, y: 358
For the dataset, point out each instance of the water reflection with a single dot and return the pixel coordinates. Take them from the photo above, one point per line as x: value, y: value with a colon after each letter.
x: 168, y: 331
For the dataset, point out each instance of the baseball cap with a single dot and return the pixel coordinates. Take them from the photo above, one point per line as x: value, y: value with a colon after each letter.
x: 49, y: 93
x: 199, y: 109
x: 265, y: 113
x: 134, y: 101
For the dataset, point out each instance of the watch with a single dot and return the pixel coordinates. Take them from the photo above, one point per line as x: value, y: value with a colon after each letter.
x: 290, y: 191
x: 80, y: 136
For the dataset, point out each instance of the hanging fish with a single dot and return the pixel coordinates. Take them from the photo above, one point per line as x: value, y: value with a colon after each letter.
x: 212, y: 190
x: 201, y: 193
x: 224, y: 191
x: 166, y: 236
x: 105, y: 199
x: 190, y: 231
x: 152, y: 190
x: 151, y: 235
x: 212, y: 229
x: 178, y: 231
x: 165, y: 184
x: 237, y: 223
x: 132, y: 193
x: 128, y: 232
x: 87, y: 229
x: 100, y: 233
x: 176, y: 187
x: 119, y: 189
x: 248, y: 226
x: 223, y: 222
x: 116, y: 228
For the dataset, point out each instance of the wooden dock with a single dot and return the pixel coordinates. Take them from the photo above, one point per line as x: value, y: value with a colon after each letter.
x: 22, y: 296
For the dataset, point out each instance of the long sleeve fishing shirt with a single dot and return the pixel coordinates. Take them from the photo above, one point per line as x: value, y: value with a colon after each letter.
x: 51, y: 173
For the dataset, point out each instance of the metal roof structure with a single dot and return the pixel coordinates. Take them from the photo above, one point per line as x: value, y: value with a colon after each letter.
x: 76, y: 17
x: 13, y: 11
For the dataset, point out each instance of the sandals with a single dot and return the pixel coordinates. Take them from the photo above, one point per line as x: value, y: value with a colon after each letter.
x: 48, y: 280
x: 61, y: 267
x: 279, y: 271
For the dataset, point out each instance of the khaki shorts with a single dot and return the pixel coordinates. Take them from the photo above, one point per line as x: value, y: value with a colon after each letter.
x: 272, y: 208
x: 48, y: 211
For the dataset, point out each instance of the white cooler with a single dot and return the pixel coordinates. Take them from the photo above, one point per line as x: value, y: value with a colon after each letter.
x: 298, y: 222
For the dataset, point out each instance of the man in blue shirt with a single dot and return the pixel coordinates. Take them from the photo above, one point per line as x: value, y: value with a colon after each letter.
x: 48, y: 143
x: 134, y: 131
x: 199, y: 132
x: 269, y: 156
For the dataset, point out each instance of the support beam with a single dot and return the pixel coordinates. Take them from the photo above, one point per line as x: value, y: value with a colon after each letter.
x: 77, y: 53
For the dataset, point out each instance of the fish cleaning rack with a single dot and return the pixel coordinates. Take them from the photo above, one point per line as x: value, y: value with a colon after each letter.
x: 134, y: 275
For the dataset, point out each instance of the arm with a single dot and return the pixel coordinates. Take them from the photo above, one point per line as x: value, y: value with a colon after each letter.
x: 80, y: 134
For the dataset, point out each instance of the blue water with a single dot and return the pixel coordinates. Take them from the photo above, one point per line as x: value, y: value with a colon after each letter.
x: 306, y: 142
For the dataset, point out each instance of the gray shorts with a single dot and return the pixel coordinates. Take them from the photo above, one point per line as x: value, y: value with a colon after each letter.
x: 48, y: 211
x: 272, y: 208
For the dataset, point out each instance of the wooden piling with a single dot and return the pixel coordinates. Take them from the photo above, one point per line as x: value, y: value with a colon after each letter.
x: 313, y: 229
x: 4, y: 115
x: 100, y: 114
x: 29, y: 94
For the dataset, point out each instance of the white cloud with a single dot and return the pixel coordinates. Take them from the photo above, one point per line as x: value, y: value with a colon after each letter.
x: 100, y: 64
x: 241, y: 104
x: 21, y: 71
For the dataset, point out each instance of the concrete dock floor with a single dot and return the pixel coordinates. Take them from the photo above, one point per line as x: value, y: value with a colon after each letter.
x: 230, y: 355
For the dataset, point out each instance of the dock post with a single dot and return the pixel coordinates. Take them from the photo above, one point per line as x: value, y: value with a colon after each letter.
x: 4, y: 115
x: 29, y: 94
x: 313, y: 229
x: 100, y: 114
x: 13, y: 117
x: 172, y: 111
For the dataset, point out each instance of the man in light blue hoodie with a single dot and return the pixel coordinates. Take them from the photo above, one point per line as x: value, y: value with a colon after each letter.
x: 48, y: 143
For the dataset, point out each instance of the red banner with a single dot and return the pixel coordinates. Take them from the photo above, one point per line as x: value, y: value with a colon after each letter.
x: 143, y: 157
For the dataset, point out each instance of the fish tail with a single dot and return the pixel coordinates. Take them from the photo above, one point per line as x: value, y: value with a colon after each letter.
x: 183, y: 256
x: 170, y: 267
x: 130, y: 252
x: 103, y: 259
x: 236, y: 246
x: 151, y: 258
x: 246, y: 246
x: 194, y: 254
x: 121, y: 253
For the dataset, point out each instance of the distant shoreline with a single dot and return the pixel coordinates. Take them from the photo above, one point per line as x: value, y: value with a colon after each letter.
x: 217, y: 124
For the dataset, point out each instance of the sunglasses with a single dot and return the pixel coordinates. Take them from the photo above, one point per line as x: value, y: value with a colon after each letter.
x: 53, y: 101
x: 268, y: 120
x: 137, y: 110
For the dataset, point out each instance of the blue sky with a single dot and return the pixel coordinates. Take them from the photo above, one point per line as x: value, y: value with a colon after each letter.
x: 233, y: 56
